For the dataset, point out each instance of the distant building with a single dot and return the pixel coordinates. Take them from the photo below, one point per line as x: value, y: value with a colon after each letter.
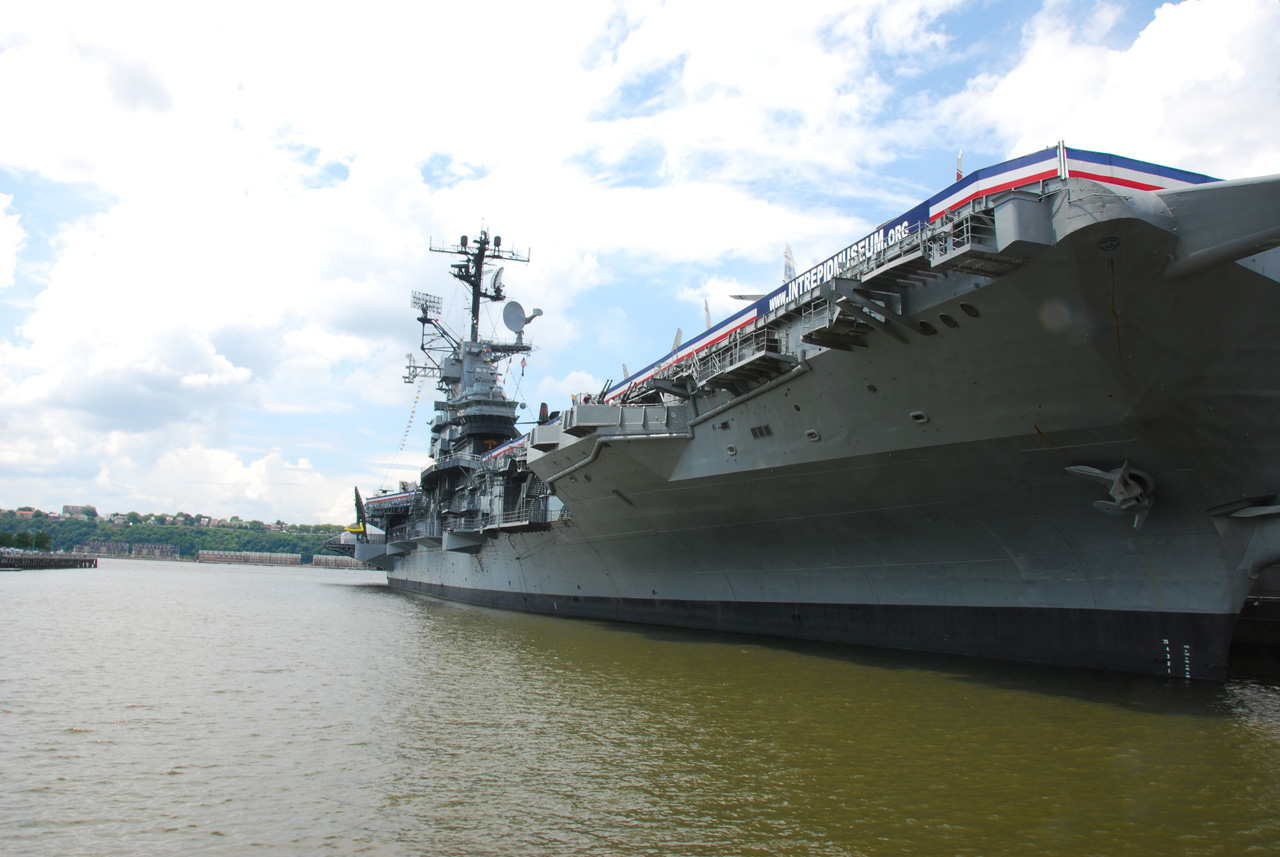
x: 127, y: 549
x: 162, y: 551
x: 78, y: 511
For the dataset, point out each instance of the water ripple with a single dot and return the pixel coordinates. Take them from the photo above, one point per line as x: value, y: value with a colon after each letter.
x: 169, y: 708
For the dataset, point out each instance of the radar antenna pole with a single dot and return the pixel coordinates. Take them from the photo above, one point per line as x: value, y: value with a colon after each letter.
x: 471, y: 270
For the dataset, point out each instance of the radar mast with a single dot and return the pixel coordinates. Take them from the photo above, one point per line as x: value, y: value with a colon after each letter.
x: 475, y: 415
x: 470, y: 270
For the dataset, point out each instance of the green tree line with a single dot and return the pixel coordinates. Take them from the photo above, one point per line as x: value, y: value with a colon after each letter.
x: 39, y: 540
x: 64, y: 535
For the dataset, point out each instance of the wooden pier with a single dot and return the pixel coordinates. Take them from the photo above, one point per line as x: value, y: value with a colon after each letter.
x: 30, y: 561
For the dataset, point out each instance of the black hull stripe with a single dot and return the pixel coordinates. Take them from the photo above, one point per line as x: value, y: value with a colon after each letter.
x: 1186, y: 645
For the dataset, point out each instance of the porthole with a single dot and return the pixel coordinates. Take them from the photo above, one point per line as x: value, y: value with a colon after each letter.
x: 927, y: 329
x: 813, y: 435
x: 871, y: 388
x: 731, y: 449
x: 969, y: 310
x: 948, y: 320
x: 919, y: 417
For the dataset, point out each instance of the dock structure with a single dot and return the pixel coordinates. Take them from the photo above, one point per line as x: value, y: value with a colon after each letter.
x: 29, y: 561
x: 249, y: 557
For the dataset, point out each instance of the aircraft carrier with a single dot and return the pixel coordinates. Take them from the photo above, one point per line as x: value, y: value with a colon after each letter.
x: 1035, y: 417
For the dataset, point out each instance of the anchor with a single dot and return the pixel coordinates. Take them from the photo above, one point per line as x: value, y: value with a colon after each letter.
x: 1131, y: 490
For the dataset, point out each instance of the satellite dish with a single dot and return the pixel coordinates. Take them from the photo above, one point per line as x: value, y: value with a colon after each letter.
x: 513, y: 316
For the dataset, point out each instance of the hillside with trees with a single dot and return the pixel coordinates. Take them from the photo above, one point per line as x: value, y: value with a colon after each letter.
x: 63, y: 534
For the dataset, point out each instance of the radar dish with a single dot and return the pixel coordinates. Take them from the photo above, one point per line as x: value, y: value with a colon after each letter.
x: 513, y: 317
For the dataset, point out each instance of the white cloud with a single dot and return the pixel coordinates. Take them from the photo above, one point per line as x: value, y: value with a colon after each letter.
x: 231, y: 485
x: 1197, y: 89
x: 716, y: 295
x: 573, y: 384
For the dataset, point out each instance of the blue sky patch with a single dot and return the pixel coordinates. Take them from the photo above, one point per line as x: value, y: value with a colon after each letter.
x: 441, y: 172
x: 646, y: 94
x: 303, y: 153
x: 641, y: 166
x: 331, y: 174
x: 44, y: 207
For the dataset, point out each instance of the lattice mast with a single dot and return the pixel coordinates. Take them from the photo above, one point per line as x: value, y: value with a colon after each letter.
x: 475, y: 254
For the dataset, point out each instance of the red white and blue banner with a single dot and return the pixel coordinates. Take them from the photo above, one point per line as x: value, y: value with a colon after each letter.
x: 1057, y: 162
x: 1126, y: 172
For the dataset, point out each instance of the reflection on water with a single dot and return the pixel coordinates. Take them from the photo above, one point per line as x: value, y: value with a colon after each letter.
x: 166, y: 708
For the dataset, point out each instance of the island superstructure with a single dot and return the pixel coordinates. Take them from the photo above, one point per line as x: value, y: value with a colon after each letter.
x: 1035, y: 417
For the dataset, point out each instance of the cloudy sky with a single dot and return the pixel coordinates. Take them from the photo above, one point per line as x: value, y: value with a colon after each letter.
x: 212, y: 215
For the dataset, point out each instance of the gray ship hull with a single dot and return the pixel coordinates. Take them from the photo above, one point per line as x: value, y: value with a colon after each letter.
x: 940, y: 550
x: 943, y: 492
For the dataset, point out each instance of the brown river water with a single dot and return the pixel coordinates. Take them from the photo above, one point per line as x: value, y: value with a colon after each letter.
x: 174, y: 708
